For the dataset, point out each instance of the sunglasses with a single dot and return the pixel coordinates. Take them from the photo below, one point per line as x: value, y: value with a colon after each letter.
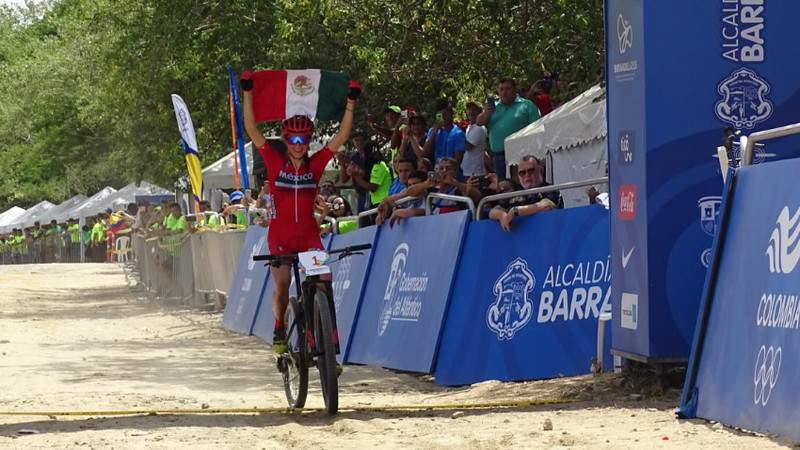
x: 523, y: 173
x: 298, y: 139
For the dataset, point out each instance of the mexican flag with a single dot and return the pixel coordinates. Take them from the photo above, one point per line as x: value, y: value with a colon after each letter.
x: 280, y: 94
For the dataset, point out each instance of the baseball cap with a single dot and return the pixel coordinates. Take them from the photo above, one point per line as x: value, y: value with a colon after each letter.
x: 236, y: 195
x: 393, y: 108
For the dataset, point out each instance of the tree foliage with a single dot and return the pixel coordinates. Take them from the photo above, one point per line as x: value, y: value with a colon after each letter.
x: 84, y: 96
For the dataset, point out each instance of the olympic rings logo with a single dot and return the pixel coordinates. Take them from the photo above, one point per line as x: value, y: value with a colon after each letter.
x: 767, y: 370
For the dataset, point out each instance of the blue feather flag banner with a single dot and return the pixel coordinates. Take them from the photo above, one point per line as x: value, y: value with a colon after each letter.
x: 238, y: 129
x: 190, y: 148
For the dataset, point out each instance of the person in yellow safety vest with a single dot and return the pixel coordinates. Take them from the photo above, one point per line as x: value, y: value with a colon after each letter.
x: 210, y: 219
x: 74, y: 231
x: 175, y: 221
x: 99, y: 230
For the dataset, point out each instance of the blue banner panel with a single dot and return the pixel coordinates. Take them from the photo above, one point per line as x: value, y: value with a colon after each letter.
x: 526, y: 303
x: 265, y: 319
x: 413, y: 270
x: 744, y: 367
x: 349, y: 281
x: 248, y: 284
x: 670, y: 95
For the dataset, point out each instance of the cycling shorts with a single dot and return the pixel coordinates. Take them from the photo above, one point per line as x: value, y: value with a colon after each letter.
x: 299, y: 238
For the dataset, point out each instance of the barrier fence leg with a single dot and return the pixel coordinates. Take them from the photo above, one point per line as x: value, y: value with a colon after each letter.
x: 597, y: 364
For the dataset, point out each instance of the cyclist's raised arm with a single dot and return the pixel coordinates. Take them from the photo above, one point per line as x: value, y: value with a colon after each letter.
x: 250, y: 124
x: 347, y: 121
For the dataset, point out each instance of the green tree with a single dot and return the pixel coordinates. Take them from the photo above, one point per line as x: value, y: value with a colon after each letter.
x: 85, y: 96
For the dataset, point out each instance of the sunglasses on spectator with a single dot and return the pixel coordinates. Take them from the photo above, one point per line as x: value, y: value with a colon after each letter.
x: 298, y: 139
x: 525, y: 172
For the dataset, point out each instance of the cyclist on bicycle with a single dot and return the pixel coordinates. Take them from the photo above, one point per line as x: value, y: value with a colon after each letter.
x: 294, y: 177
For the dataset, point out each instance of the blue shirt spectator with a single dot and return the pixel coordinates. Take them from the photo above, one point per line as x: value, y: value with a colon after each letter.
x: 445, y: 139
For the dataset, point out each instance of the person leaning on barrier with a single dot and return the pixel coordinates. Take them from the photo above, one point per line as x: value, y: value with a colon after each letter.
x: 531, y: 175
x: 444, y: 181
x: 175, y: 222
x: 211, y: 219
x: 395, y: 212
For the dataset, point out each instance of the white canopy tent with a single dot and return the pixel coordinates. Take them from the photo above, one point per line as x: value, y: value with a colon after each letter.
x: 82, y: 210
x: 572, y: 140
x: 128, y: 194
x: 57, y: 211
x: 29, y: 217
x: 219, y: 174
x: 10, y: 216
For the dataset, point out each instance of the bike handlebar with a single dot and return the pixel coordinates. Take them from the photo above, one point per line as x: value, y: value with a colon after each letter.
x: 346, y: 250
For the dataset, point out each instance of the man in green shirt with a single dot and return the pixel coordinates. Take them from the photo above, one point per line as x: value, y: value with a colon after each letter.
x: 504, y: 118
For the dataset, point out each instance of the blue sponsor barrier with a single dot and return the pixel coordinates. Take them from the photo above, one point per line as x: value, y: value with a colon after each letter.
x: 526, y: 303
x: 247, y: 286
x: 264, y: 320
x: 744, y: 365
x: 349, y: 280
x: 406, y: 296
x: 738, y: 68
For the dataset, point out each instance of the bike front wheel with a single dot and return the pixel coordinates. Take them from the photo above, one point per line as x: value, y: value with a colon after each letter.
x: 293, y: 365
x: 326, y: 351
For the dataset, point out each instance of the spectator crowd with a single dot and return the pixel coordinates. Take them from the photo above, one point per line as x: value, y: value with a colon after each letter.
x: 394, y: 165
x: 390, y: 169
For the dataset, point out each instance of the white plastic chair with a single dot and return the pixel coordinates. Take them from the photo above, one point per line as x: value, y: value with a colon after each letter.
x: 123, y: 248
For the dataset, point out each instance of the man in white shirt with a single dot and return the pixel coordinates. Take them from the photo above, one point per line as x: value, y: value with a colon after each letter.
x: 474, y: 162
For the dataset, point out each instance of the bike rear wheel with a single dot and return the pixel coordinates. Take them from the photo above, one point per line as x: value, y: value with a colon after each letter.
x: 293, y: 365
x: 326, y: 351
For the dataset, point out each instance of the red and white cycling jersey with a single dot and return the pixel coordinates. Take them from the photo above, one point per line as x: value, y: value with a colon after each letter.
x: 294, y: 192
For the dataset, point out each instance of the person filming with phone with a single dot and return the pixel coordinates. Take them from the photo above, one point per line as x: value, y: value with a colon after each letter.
x: 511, y: 114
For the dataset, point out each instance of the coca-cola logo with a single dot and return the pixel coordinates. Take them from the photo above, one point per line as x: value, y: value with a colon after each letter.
x: 627, y: 202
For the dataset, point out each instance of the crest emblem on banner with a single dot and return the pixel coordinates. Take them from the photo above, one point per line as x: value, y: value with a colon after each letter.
x: 512, y: 308
x: 744, y: 100
x: 302, y: 85
x: 709, y: 211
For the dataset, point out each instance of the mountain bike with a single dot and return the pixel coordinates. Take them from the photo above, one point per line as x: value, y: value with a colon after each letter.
x: 311, y: 334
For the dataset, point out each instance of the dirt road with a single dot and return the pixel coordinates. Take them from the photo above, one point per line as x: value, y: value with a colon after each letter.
x: 77, y: 337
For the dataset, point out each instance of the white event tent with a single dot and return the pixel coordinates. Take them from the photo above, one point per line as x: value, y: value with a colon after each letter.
x: 82, y: 210
x: 29, y: 217
x: 10, y: 216
x: 572, y: 140
x: 57, y: 211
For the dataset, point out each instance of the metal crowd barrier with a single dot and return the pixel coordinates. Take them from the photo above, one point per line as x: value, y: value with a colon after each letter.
x: 748, y: 142
x: 453, y: 198
x: 539, y: 190
x: 188, y: 269
x: 41, y: 251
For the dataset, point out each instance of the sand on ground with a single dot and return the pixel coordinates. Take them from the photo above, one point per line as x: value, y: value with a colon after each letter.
x: 78, y: 337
